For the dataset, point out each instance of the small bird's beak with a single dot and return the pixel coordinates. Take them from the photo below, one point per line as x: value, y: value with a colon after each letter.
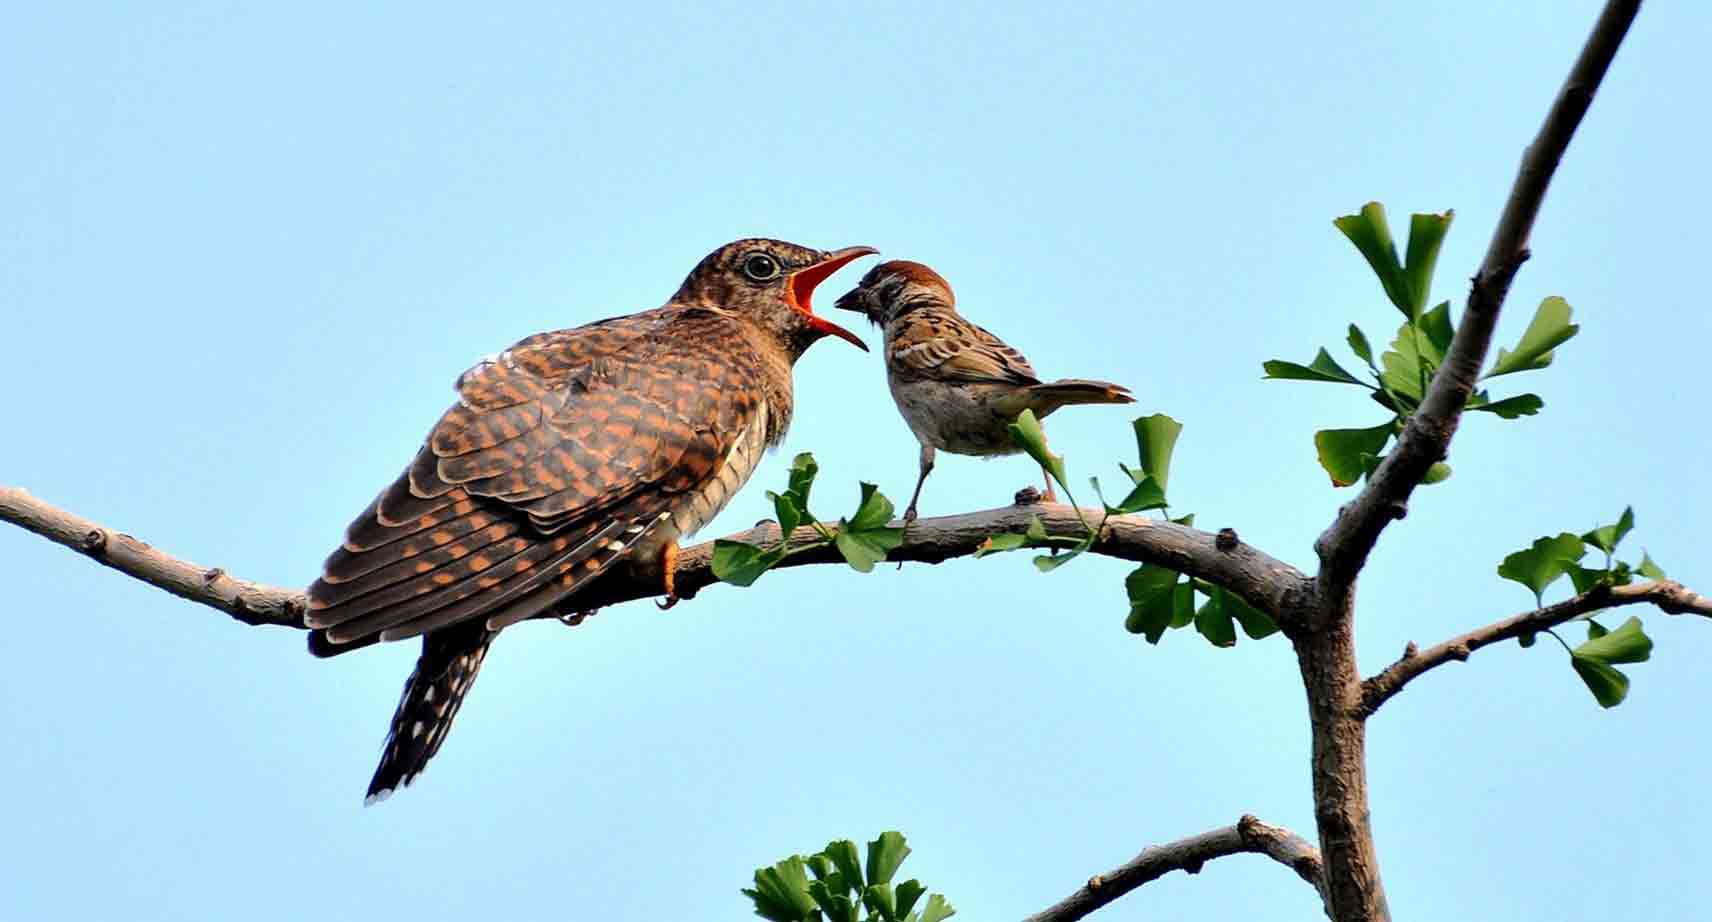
x: 800, y: 288
x: 851, y: 301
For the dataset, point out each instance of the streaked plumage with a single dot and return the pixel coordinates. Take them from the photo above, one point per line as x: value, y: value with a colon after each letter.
x: 958, y: 386
x: 564, y: 454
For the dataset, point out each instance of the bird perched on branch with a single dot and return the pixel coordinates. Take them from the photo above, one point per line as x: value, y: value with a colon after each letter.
x: 958, y: 386
x: 565, y: 454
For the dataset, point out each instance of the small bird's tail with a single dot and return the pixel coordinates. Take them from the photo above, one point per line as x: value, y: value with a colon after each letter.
x: 443, y: 675
x: 1044, y: 398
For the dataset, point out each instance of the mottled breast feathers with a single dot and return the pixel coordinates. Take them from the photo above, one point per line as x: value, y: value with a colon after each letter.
x: 562, y: 455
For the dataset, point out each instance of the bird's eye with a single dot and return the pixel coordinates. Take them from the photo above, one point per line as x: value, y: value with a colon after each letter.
x: 760, y: 267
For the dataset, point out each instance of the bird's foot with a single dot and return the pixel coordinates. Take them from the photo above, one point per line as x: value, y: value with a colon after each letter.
x: 572, y: 619
x: 669, y: 566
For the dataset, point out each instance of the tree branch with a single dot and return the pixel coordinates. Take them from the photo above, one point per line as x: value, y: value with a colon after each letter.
x: 1249, y: 835
x: 1669, y: 595
x: 1344, y: 546
x: 1326, y: 649
x: 251, y: 603
x: 1260, y: 579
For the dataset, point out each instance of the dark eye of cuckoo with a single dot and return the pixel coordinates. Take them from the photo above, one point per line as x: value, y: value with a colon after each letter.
x: 760, y: 267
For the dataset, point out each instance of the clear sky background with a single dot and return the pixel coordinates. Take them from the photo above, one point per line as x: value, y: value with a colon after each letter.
x: 244, y: 254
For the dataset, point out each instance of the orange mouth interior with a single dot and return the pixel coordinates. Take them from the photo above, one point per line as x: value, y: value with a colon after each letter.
x: 799, y: 291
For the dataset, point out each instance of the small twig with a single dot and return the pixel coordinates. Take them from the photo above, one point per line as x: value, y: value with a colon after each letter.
x: 251, y: 603
x: 1248, y: 836
x: 1668, y: 595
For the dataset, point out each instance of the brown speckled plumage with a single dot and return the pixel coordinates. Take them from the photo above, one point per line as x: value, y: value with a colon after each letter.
x: 958, y: 386
x: 564, y: 454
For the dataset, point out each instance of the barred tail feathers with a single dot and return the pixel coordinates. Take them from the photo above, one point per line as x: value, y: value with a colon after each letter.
x: 432, y: 695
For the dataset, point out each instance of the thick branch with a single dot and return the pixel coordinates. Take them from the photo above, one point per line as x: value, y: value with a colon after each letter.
x: 1344, y: 547
x: 1668, y: 595
x: 1326, y: 649
x: 1257, y: 577
x: 1249, y: 835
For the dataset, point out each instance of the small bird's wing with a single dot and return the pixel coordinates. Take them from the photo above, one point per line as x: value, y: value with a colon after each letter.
x: 940, y: 345
x: 560, y: 455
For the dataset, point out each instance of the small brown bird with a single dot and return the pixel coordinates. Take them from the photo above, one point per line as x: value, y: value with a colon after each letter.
x: 958, y: 386
x: 564, y: 454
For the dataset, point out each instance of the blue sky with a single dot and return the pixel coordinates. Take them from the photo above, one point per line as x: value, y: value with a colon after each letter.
x: 244, y: 253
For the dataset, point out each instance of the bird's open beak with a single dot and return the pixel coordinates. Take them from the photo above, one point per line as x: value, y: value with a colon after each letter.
x: 800, y: 289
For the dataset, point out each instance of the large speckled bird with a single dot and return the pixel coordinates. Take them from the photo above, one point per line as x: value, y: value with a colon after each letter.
x: 958, y: 386
x: 564, y: 454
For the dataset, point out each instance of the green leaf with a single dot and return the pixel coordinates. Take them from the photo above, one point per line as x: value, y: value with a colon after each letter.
x: 1155, y: 440
x: 1512, y: 407
x: 1621, y: 574
x: 1322, y: 368
x: 787, y: 511
x: 781, y: 891
x: 1255, y: 623
x: 1410, y: 362
x: 998, y: 544
x: 1608, y: 685
x: 843, y: 855
x: 1595, y: 630
x: 1649, y: 569
x: 1371, y: 234
x: 937, y: 910
x: 1438, y: 473
x: 864, y: 539
x: 803, y: 471
x: 1028, y: 436
x: 1148, y: 494
x: 1627, y: 644
x: 1527, y: 640
x: 1607, y: 537
x: 1046, y: 563
x: 1436, y: 324
x: 1213, y: 621
x: 1584, y: 578
x: 1359, y: 345
x: 874, y: 511
x: 1542, y: 563
x: 884, y: 856
x: 1183, y: 605
x: 1402, y: 405
x: 1426, y: 234
x: 1340, y: 450
x: 742, y: 564
x: 908, y: 892
x: 881, y: 902
x: 1152, y: 600
x: 837, y: 906
x: 863, y: 549
x: 1549, y: 329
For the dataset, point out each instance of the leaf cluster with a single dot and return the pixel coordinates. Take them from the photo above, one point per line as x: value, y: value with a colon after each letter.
x: 864, y: 538
x: 1400, y: 376
x: 1553, y: 557
x: 842, y: 889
